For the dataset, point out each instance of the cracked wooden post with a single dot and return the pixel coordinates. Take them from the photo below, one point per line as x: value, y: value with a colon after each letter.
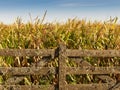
x: 62, y: 65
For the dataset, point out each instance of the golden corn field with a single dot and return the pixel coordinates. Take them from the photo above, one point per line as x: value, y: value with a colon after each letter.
x: 74, y: 33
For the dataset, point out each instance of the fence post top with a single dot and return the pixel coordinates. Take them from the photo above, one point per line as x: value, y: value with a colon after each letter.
x: 62, y: 45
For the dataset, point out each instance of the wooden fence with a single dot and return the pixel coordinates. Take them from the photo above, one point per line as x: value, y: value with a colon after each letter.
x: 62, y: 70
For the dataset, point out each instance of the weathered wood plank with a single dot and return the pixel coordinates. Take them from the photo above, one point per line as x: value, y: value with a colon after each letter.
x: 26, y: 70
x: 116, y: 86
x: 92, y: 70
x: 27, y: 87
x: 27, y: 52
x: 92, y: 53
x: 14, y: 80
x: 62, y: 67
x: 107, y: 79
x: 103, y: 86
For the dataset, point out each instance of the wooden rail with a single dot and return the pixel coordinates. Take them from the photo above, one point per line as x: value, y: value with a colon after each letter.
x: 92, y: 53
x: 62, y: 53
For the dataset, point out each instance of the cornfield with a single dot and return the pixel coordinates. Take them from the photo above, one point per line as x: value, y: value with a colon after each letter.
x: 74, y: 33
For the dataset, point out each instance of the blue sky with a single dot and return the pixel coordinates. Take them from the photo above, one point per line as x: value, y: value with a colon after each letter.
x: 58, y: 10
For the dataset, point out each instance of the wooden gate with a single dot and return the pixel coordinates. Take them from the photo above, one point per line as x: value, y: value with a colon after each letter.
x: 86, y: 68
x: 103, y: 73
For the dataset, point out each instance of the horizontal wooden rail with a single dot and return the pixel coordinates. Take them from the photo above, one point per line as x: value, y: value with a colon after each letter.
x: 26, y: 70
x: 27, y: 52
x: 69, y: 52
x: 92, y: 70
x: 62, y: 54
x: 92, y: 53
x: 27, y: 87
x: 102, y: 86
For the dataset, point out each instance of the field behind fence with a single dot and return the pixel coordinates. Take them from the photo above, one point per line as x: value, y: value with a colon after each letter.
x: 98, y: 77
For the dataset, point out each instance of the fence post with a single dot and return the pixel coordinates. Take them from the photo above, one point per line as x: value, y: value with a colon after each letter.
x: 62, y: 65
